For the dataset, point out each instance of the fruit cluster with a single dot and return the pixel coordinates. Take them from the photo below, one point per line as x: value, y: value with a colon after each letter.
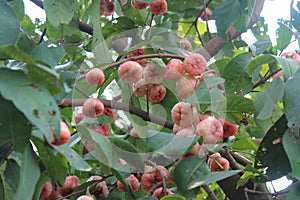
x: 158, y: 7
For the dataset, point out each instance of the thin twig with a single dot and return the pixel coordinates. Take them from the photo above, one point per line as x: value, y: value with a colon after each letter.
x: 210, y: 193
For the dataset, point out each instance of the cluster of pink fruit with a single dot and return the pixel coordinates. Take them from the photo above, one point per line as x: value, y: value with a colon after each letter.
x: 157, y: 7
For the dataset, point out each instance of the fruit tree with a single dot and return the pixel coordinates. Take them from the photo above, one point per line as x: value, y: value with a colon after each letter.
x: 148, y: 99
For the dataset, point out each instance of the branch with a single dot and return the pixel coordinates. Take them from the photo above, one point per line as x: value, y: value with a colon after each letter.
x: 120, y: 106
x: 210, y: 193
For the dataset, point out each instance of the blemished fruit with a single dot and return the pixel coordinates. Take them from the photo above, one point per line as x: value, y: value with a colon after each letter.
x: 70, y: 184
x: 211, y: 130
x: 174, y: 70
x: 158, y: 193
x: 158, y: 7
x: 138, y: 52
x: 185, y: 43
x: 46, y: 191
x: 217, y: 163
x: 140, y: 88
x: 85, y: 197
x: 147, y: 181
x: 130, y: 180
x: 137, y: 5
x: 194, y: 64
x: 156, y: 93
x: 182, y: 114
x: 95, y: 77
x: 185, y: 86
x: 130, y: 72
x: 229, y: 129
x: 100, y: 190
x: 92, y: 108
x: 107, y: 7
x: 103, y: 129
x: 153, y: 74
x: 208, y: 14
x: 64, y: 135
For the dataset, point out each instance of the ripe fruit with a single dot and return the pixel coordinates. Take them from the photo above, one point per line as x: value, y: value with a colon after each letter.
x: 78, y: 118
x: 208, y: 14
x: 140, y: 88
x: 132, y: 181
x: 110, y: 112
x: 64, y: 135
x: 55, y: 195
x: 103, y: 129
x: 229, y: 129
x: 185, y: 43
x: 95, y: 77
x: 291, y: 55
x: 174, y: 70
x: 158, y: 193
x: 158, y: 7
x: 147, y: 181
x: 211, y: 130
x: 107, y: 7
x: 46, y: 191
x: 217, y: 163
x: 101, y: 189
x: 130, y: 72
x: 156, y: 93
x: 139, y: 5
x: 85, y: 197
x: 194, y: 64
x: 182, y: 114
x: 153, y: 74
x: 138, y: 52
x: 70, y: 184
x: 210, y: 73
x: 185, y: 86
x: 92, y: 108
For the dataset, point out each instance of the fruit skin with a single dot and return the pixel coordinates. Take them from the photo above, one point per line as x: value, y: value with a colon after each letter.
x: 78, y: 117
x: 139, y: 5
x: 186, y: 44
x: 101, y: 189
x: 92, y: 108
x: 211, y: 130
x: 208, y: 13
x: 194, y: 64
x: 158, y: 193
x: 138, y: 52
x: 182, y: 114
x: 46, y: 191
x: 103, y: 129
x: 156, y: 93
x: 107, y: 7
x: 291, y: 55
x: 95, y: 77
x: 185, y: 86
x: 158, y: 7
x: 130, y: 72
x: 229, y: 129
x: 55, y: 195
x: 153, y: 74
x: 70, y: 184
x: 64, y: 136
x: 147, y: 181
x: 132, y: 181
x: 140, y: 88
x: 85, y: 197
x: 174, y: 70
x: 217, y: 163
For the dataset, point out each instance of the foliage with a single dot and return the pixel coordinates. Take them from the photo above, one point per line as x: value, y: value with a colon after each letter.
x: 42, y: 82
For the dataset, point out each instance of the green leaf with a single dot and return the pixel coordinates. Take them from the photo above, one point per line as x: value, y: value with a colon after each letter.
x: 40, y: 184
x: 173, y: 197
x: 33, y: 100
x: 292, y: 102
x: 55, y: 165
x: 14, y: 125
x: 12, y: 173
x: 211, y: 177
x: 2, y: 189
x: 245, y: 144
x: 169, y: 145
x: 10, y: 25
x: 284, y: 35
x: 291, y: 144
x: 260, y: 46
x: 271, y: 153
x: 236, y: 76
x: 294, y: 193
x: 189, y: 170
x: 29, y: 175
x: 295, y: 15
x: 73, y: 158
x: 18, y: 6
x: 266, y: 101
x: 49, y: 52
x: 60, y: 11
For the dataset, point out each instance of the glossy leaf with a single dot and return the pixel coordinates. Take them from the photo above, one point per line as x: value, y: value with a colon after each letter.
x: 173, y: 197
x: 284, y: 35
x: 271, y: 153
x: 14, y: 125
x: 266, y: 101
x: 12, y: 173
x: 59, y: 12
x: 9, y: 20
x: 169, y: 144
x: 260, y: 46
x: 33, y: 100
x: 49, y: 52
x: 291, y: 144
x: 29, y: 175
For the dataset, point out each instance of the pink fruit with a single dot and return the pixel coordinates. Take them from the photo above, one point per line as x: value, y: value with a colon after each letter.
x: 70, y: 184
x: 194, y: 64
x: 208, y: 14
x: 95, y: 77
x: 132, y: 181
x: 158, y: 193
x: 85, y: 197
x: 78, y: 118
x: 147, y: 181
x: 140, y: 88
x: 211, y: 130
x: 186, y: 44
x: 107, y: 7
x: 174, y: 70
x: 103, y: 129
x: 156, y: 93
x: 217, y: 163
x: 291, y: 55
x: 229, y: 129
x: 139, y: 5
x: 110, y: 112
x: 92, y: 108
x: 64, y: 136
x: 46, y: 191
x: 185, y: 86
x: 138, y: 52
x: 209, y: 73
x: 182, y: 114
x: 158, y: 7
x: 153, y: 74
x: 130, y: 72
x: 160, y: 173
x: 101, y: 189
